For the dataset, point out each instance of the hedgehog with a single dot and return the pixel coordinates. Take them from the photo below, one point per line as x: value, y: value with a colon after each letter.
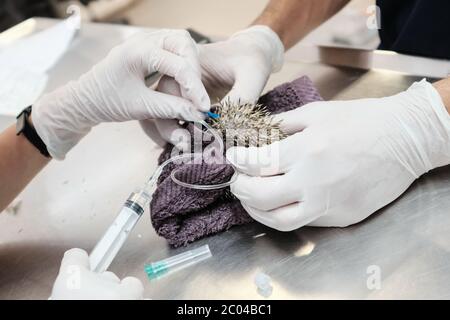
x: 246, y: 124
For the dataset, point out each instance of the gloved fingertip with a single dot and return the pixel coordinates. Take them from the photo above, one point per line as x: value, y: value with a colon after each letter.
x: 75, y: 257
x: 133, y: 287
x: 132, y: 282
x: 197, y: 116
x: 238, y: 97
x: 236, y: 156
x: 76, y: 253
x: 205, y: 103
x: 256, y: 161
x: 110, y: 276
x: 292, y: 121
x: 245, y: 187
x: 234, y: 187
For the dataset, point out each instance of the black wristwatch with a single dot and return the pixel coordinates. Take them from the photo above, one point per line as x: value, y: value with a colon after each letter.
x: 24, y: 127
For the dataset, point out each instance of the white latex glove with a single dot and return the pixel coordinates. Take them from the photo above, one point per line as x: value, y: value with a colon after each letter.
x: 344, y: 159
x: 162, y: 131
x: 243, y: 63
x: 114, y: 90
x: 75, y: 281
x: 239, y: 67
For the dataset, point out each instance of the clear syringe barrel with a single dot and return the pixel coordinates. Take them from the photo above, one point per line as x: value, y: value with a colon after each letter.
x: 116, y: 235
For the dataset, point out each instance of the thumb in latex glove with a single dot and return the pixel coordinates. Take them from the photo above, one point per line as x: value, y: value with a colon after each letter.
x: 243, y: 63
x: 75, y: 281
x: 114, y: 90
x: 167, y: 130
x: 344, y: 159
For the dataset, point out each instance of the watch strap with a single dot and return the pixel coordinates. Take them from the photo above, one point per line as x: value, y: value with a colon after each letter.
x: 24, y: 127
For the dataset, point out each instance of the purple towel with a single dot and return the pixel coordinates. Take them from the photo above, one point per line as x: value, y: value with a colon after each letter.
x: 183, y: 215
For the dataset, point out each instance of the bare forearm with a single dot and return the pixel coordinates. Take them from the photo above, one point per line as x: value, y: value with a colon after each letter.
x: 20, y: 161
x: 443, y: 87
x: 294, y: 19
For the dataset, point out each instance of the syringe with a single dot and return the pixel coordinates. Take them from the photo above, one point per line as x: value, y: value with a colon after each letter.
x: 113, y: 239
x: 109, y: 245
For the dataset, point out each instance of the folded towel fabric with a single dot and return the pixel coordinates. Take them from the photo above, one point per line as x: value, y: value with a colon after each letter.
x: 183, y: 215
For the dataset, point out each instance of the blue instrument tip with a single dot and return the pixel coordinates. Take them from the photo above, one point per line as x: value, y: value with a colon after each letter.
x: 212, y: 115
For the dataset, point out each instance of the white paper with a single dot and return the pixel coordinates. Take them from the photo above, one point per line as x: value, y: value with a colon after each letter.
x: 40, y: 51
x: 24, y: 65
x: 19, y: 89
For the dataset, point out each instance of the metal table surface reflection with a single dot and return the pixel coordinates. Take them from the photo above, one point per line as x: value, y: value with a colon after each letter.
x: 71, y: 203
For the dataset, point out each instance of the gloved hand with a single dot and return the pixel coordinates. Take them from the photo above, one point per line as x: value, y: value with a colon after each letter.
x: 114, y: 90
x: 239, y: 66
x: 243, y: 63
x: 75, y: 281
x: 344, y: 159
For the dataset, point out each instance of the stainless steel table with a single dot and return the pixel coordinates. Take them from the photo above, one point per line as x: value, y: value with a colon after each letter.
x: 72, y: 202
